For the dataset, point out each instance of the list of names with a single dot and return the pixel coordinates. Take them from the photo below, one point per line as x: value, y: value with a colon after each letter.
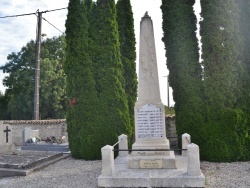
x: 150, y: 122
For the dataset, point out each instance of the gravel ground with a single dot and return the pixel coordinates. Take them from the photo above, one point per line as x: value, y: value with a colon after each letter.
x: 73, y: 173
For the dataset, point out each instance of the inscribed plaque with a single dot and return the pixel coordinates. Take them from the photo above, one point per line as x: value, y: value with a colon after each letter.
x: 150, y: 122
x: 150, y: 163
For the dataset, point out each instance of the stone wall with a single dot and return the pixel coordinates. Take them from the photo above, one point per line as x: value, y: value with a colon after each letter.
x: 171, y: 132
x: 58, y: 128
x: 47, y: 128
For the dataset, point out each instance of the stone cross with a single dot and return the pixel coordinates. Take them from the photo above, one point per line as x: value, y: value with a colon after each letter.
x: 7, y: 130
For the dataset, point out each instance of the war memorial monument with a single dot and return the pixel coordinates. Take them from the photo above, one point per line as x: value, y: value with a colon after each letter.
x: 151, y: 163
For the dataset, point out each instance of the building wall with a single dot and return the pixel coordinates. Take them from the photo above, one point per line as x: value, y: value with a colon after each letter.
x: 47, y: 128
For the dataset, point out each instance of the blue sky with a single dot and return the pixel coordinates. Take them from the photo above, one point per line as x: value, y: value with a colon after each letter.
x: 16, y: 32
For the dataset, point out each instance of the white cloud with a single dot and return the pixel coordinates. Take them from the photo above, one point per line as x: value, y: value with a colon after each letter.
x: 16, y: 32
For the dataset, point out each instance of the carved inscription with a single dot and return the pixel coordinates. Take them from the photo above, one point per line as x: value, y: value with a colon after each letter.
x: 150, y: 163
x: 151, y: 153
x: 150, y: 122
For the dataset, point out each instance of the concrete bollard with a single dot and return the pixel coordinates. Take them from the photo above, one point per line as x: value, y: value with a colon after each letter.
x: 108, y: 164
x: 123, y: 144
x: 193, y: 154
x: 186, y: 139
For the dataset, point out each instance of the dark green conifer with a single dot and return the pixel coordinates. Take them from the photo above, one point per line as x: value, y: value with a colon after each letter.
x: 243, y: 79
x: 226, y: 127
x: 82, y: 118
x: 128, y: 52
x: 185, y: 72
x: 108, y: 73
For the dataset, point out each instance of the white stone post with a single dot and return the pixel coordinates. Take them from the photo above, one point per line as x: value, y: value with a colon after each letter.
x: 186, y: 139
x: 108, y: 164
x: 123, y: 144
x: 193, y: 154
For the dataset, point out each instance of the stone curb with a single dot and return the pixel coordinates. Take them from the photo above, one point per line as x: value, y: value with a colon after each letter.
x: 17, y: 172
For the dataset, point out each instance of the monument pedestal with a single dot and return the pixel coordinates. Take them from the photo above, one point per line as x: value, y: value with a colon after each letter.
x: 151, y: 145
x: 146, y: 156
x: 124, y: 177
x: 150, y: 148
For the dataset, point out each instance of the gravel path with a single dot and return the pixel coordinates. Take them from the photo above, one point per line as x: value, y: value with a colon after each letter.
x: 73, y: 173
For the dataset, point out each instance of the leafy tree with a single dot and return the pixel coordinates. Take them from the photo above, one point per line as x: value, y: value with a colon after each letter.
x: 4, y: 98
x: 185, y: 72
x: 108, y: 72
x: 83, y: 112
x: 128, y: 52
x: 20, y: 81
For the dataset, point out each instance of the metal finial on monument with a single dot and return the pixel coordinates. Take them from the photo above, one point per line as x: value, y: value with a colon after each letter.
x: 146, y: 14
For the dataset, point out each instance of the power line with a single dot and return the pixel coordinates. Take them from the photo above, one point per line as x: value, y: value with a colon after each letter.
x: 53, y: 25
x: 54, y: 10
x: 38, y: 46
x: 18, y: 15
x: 32, y: 13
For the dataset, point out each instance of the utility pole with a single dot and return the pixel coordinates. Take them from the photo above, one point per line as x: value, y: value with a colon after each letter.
x: 168, y: 92
x: 37, y: 70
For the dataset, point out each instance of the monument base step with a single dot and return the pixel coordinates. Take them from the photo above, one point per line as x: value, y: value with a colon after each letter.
x: 124, y: 177
x: 26, y: 162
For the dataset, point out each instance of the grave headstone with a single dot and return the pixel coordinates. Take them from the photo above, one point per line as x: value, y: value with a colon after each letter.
x: 29, y: 134
x: 150, y: 130
x: 30, y: 142
x: 6, y: 143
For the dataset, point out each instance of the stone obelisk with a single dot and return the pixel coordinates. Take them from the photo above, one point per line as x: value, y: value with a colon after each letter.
x: 150, y: 131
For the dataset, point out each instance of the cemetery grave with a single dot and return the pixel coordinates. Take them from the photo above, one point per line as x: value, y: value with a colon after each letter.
x: 32, y: 141
x: 22, y: 163
x: 15, y: 162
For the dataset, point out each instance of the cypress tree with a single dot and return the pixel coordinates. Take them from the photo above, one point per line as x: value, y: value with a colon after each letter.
x: 219, y: 51
x: 225, y: 128
x: 128, y: 52
x: 185, y: 72
x: 108, y: 73
x: 244, y: 33
x: 82, y: 118
x: 244, y: 79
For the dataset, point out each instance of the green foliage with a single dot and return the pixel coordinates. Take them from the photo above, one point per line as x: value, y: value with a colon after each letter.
x: 214, y: 111
x: 94, y: 78
x: 20, y: 81
x: 244, y: 34
x: 226, y: 120
x: 185, y: 73
x: 226, y: 138
x: 128, y: 52
x: 108, y: 72
x: 169, y: 111
x: 82, y: 117
x: 4, y: 98
x: 220, y: 54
